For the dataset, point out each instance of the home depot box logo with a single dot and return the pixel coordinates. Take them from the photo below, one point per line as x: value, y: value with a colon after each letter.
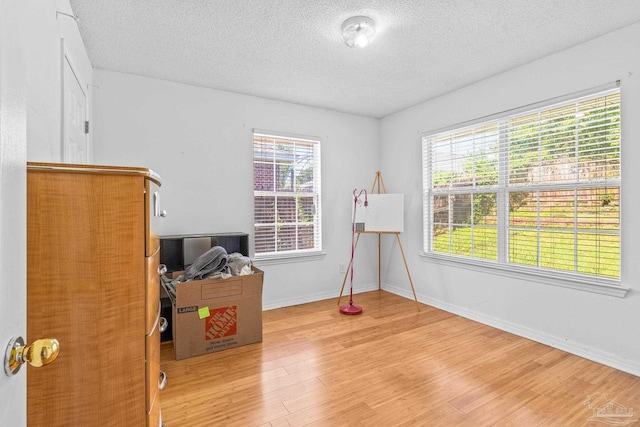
x: 221, y: 323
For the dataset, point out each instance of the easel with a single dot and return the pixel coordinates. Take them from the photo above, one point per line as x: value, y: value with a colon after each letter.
x: 377, y: 184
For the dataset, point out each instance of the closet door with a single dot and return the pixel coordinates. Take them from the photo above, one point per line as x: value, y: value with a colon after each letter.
x: 74, y: 147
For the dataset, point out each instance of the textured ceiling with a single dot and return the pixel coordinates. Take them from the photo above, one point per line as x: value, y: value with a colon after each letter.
x: 291, y: 50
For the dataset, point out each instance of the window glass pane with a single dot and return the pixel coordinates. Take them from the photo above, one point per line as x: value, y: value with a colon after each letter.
x: 462, y: 161
x: 599, y: 231
x: 599, y: 138
x: 485, y: 209
x: 306, y: 209
x: 441, y: 238
x: 303, y: 167
x: 263, y: 176
x: 461, y: 208
x: 442, y: 169
x: 485, y: 242
x: 283, y: 150
x: 284, y: 177
x: 524, y: 142
x: 441, y: 209
x: 265, y: 210
x: 485, y: 234
x: 485, y: 159
x: 557, y: 141
x: 599, y: 208
x: 523, y: 247
x: 461, y: 241
x: 557, y: 250
x: 306, y: 236
x: 286, y: 209
x: 286, y: 238
x: 265, y: 239
x: 263, y: 149
x: 523, y: 209
x: 557, y: 209
x: 598, y: 254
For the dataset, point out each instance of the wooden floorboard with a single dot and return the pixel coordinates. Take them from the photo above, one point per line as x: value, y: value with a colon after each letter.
x: 393, y: 365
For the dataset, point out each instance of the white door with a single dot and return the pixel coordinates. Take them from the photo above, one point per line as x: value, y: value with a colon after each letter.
x: 13, y: 152
x: 75, y: 113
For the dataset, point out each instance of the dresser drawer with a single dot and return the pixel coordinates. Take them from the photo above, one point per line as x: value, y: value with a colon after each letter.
x: 153, y: 243
x: 154, y: 417
x: 153, y: 290
x: 153, y: 376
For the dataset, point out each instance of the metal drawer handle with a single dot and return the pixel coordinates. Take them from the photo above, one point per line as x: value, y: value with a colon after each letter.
x: 162, y: 269
x: 156, y: 206
x: 156, y: 203
x: 164, y: 324
x: 163, y: 380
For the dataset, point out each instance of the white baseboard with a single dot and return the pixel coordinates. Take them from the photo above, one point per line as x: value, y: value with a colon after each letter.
x: 598, y: 356
x: 317, y: 297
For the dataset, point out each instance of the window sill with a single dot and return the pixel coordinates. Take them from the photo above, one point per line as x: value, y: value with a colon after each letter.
x: 288, y: 258
x: 548, y: 277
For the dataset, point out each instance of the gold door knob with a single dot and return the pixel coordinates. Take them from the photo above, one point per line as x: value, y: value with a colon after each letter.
x: 40, y: 353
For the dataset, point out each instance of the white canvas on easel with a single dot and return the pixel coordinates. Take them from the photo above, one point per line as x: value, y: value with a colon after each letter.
x: 384, y: 213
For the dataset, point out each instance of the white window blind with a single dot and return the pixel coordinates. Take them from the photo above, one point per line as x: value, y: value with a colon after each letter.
x: 286, y: 176
x: 538, y: 188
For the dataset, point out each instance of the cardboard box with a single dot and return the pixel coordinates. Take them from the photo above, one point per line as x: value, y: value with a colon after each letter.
x: 216, y: 314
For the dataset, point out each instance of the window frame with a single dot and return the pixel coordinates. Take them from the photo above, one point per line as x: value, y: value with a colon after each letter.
x: 294, y: 254
x: 501, y: 265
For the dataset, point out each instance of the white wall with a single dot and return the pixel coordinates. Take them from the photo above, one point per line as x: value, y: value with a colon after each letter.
x: 50, y: 34
x: 600, y: 327
x: 200, y: 142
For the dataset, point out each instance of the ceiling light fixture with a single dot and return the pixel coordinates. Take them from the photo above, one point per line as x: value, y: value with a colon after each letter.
x: 358, y: 31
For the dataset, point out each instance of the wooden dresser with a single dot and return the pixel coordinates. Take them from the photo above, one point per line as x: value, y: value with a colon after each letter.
x: 92, y: 283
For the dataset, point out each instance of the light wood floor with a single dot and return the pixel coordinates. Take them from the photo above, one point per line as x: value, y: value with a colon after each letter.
x: 390, y: 366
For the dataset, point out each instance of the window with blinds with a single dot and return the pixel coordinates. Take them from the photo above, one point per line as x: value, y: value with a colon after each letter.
x: 532, y: 188
x: 286, y: 190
